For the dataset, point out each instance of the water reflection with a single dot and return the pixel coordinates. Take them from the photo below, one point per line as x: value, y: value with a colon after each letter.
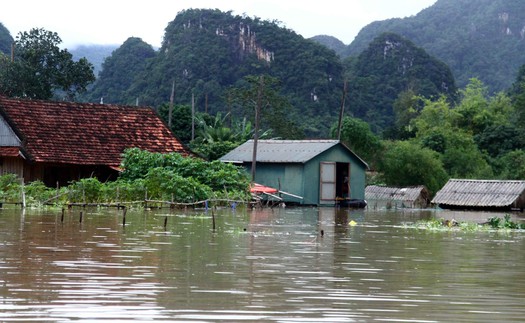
x: 288, y: 265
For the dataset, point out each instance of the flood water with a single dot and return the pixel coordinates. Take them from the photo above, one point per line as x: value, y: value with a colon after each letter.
x: 283, y: 265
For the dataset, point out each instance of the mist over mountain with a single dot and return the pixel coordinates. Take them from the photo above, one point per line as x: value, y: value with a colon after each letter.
x: 96, y: 54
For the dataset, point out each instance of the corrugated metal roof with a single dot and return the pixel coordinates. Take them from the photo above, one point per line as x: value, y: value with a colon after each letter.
x: 479, y: 193
x: 374, y: 192
x: 279, y: 151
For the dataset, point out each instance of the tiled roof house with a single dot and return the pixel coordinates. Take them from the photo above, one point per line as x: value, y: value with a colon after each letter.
x: 64, y: 141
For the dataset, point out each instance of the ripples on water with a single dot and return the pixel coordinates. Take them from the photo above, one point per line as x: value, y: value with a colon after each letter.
x: 287, y: 265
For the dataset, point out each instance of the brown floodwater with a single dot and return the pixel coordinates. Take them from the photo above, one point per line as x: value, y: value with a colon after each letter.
x: 281, y: 264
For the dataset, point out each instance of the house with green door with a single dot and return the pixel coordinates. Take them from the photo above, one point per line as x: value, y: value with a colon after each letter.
x: 318, y: 171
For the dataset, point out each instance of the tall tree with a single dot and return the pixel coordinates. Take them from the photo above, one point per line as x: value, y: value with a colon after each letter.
x: 41, y: 69
x: 263, y: 93
x: 406, y: 163
x: 358, y: 136
x: 517, y: 93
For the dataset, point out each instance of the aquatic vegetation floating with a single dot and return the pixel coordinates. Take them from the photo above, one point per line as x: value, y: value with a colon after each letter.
x: 492, y: 224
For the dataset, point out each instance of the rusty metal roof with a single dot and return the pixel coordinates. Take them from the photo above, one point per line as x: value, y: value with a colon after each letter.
x: 479, y: 193
x: 282, y: 151
x: 375, y: 192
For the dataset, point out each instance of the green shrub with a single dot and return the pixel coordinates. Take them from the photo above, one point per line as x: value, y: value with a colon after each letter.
x: 10, y: 190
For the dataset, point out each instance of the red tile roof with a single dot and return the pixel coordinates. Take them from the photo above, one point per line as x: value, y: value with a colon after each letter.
x: 86, y: 133
x: 9, y: 151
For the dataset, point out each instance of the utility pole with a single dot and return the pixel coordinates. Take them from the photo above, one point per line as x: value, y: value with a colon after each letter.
x: 341, y: 112
x: 192, y: 116
x: 172, y: 97
x: 256, y: 130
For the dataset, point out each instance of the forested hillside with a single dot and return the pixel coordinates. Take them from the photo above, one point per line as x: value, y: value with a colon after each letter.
x: 331, y: 42
x: 482, y: 38
x: 120, y: 71
x: 389, y: 67
x: 205, y: 52
x: 5, y: 40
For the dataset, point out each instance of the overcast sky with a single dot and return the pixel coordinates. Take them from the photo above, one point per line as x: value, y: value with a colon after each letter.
x: 114, y: 21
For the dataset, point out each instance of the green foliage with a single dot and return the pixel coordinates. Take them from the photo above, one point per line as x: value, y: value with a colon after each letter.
x: 124, y: 190
x: 38, y: 194
x: 10, y: 188
x: 517, y: 94
x: 492, y: 223
x: 167, y: 177
x: 180, y: 120
x: 479, y: 112
x: 471, y: 136
x: 406, y: 163
x: 163, y: 184
x: 406, y: 107
x: 260, y: 97
x: 214, y: 150
x: 435, y: 116
x: 505, y: 223
x: 462, y: 158
x: 511, y: 165
x: 86, y: 190
x: 41, y: 68
x: 216, y: 175
x: 357, y: 136
x: 498, y: 140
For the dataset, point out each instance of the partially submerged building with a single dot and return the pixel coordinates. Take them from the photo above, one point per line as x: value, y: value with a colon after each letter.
x: 481, y: 194
x: 57, y: 142
x: 387, y: 196
x: 319, y: 171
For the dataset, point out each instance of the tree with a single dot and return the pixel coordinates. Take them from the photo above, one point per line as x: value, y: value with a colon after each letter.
x: 358, y: 136
x: 261, y: 94
x: 406, y: 107
x: 517, y: 93
x: 215, y: 138
x: 181, y: 120
x: 437, y: 128
x: 41, y: 69
x: 406, y: 163
x: 436, y: 116
x: 462, y: 157
x: 512, y: 165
